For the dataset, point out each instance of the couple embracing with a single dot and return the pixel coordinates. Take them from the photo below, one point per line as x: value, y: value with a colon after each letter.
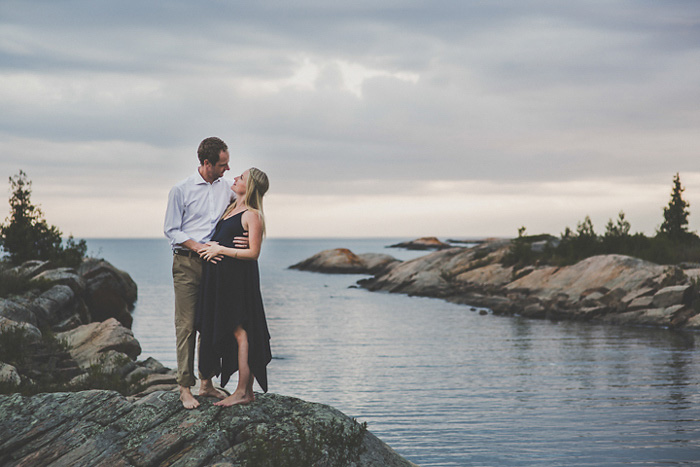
x: 216, y: 228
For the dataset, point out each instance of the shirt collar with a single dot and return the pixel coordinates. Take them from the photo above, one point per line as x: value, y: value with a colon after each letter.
x: 200, y: 181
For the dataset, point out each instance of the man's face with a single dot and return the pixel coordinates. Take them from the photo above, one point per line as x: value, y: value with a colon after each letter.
x: 217, y: 170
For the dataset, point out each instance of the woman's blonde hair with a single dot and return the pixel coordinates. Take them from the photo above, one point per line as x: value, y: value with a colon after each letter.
x: 255, y: 188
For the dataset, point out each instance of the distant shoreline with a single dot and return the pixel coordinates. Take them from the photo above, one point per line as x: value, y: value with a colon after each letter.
x: 614, y: 289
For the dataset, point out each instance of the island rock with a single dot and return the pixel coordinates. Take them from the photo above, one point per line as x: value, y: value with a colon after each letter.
x: 344, y: 261
x: 423, y: 243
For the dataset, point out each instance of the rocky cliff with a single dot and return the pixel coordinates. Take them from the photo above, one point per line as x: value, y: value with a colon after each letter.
x: 607, y: 288
x: 71, y: 330
x: 103, y: 428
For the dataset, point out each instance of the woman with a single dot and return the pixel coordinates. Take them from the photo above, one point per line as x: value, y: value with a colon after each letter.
x: 230, y: 316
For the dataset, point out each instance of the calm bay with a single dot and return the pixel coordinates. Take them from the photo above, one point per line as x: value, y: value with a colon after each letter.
x: 442, y: 384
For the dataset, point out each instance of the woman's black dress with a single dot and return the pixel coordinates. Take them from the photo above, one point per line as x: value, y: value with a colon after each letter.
x: 229, y: 296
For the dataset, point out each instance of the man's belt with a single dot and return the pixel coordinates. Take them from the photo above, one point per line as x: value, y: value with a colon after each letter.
x: 184, y: 252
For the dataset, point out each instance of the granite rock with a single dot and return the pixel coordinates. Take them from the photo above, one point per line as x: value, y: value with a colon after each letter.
x: 88, y: 342
x: 32, y: 333
x: 609, y: 271
x: 344, y: 261
x: 605, y: 288
x: 102, y: 428
x: 31, y: 268
x: 55, y: 305
x: 673, y: 295
x: 9, y: 374
x: 65, y: 276
x: 423, y: 243
x: 19, y: 312
x: 640, y: 303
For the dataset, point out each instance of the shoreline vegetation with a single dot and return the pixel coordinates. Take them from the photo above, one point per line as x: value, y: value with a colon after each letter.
x: 72, y: 391
x: 616, y: 277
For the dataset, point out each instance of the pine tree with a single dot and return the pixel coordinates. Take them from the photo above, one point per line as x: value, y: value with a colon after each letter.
x: 619, y: 229
x: 675, y: 224
x: 26, y: 235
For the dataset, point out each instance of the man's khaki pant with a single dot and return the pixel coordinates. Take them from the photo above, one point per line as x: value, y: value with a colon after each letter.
x: 187, y: 274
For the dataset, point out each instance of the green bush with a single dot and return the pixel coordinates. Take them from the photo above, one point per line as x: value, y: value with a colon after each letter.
x: 98, y: 378
x: 14, y: 347
x: 13, y: 284
x: 521, y: 253
x: 672, y: 244
x: 584, y: 243
x: 19, y: 351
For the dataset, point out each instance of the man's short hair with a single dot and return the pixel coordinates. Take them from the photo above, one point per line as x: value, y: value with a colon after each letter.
x: 210, y: 149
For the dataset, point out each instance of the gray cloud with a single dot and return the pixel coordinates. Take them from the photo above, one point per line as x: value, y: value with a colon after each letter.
x: 383, y: 95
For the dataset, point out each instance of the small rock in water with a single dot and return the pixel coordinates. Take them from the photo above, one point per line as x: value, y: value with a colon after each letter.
x: 483, y: 312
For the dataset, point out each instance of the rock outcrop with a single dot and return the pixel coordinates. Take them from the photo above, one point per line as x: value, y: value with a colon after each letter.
x: 423, y: 243
x: 96, y: 291
x: 94, y: 343
x: 606, y: 288
x: 103, y: 428
x: 149, y: 427
x: 88, y: 344
x: 344, y: 261
x: 110, y: 292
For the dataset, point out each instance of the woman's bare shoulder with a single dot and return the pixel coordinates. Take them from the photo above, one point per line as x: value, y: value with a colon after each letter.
x: 251, y: 217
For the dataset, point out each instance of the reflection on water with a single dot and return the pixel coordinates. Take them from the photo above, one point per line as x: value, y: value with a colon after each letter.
x: 445, y: 386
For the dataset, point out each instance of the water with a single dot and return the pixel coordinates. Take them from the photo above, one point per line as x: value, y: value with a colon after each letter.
x: 443, y: 385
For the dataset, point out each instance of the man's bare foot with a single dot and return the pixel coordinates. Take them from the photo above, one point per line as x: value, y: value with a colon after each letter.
x: 236, y: 399
x: 211, y: 391
x: 188, y: 400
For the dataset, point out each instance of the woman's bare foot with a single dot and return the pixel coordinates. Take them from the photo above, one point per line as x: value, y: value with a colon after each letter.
x: 188, y: 400
x: 207, y: 389
x: 236, y: 399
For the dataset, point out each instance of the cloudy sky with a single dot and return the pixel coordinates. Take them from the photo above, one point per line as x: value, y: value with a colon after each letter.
x: 393, y: 118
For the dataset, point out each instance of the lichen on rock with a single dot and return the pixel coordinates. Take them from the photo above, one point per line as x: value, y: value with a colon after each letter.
x: 104, y: 428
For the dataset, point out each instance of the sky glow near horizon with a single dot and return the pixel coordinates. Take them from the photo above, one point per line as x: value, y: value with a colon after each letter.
x: 405, y: 119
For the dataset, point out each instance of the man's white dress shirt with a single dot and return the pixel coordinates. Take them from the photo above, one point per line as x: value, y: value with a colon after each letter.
x: 194, y: 208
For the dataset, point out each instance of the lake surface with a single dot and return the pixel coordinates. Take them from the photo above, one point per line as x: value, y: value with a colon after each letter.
x: 442, y: 384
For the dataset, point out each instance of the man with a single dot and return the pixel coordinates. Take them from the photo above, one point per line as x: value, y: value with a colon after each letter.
x: 194, y: 207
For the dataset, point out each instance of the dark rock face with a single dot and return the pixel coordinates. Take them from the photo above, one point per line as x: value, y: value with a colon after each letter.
x: 110, y: 292
x: 91, y: 348
x: 56, y: 305
x: 32, y: 333
x: 96, y: 292
x: 102, y: 428
x: 10, y: 309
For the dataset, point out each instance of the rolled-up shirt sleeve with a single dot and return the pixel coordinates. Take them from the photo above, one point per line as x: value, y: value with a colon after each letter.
x: 173, y: 217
